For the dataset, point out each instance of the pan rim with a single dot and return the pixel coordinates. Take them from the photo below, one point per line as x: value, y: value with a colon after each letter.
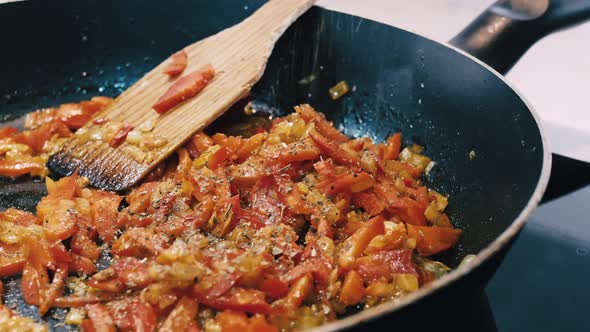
x: 486, y: 253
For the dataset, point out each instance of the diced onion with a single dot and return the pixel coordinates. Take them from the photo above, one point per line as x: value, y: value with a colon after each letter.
x: 339, y: 90
x: 407, y: 282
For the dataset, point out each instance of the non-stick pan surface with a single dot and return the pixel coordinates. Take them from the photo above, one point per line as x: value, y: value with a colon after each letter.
x: 490, y: 153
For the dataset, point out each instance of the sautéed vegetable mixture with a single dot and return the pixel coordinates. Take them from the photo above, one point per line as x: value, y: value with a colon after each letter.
x: 281, y: 228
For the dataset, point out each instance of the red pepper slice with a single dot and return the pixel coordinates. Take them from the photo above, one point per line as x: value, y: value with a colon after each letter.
x: 184, y: 88
x: 177, y: 64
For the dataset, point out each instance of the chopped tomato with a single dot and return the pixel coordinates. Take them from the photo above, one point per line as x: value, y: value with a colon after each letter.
x: 22, y: 218
x: 198, y: 144
x: 333, y: 150
x: 12, y: 168
x: 300, y: 290
x: 83, y: 246
x: 348, y: 182
x: 233, y: 321
x: 143, y: 317
x: 74, y: 301
x: 240, y: 299
x: 82, y: 264
x: 323, y: 126
x: 182, y: 316
x: 274, y: 287
x: 140, y: 243
x: 391, y: 150
x: 303, y: 150
x: 55, y: 289
x: 432, y: 240
x: 37, y: 137
x: 6, y: 132
x: 318, y: 267
x: 353, y: 290
x: 177, y: 64
x: 357, y: 242
x: 105, y: 214
x: 369, y: 202
x: 184, y: 88
x: 410, y: 211
x: 100, y: 318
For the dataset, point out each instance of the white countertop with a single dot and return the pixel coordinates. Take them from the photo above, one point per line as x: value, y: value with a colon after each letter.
x: 554, y: 76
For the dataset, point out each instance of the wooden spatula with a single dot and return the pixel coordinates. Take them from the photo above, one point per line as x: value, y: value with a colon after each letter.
x: 238, y: 54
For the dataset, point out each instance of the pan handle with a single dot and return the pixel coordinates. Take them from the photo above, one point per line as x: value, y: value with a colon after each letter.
x: 508, y: 28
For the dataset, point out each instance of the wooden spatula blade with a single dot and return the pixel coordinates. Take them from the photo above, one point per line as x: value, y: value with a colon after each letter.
x: 105, y: 167
x: 238, y: 55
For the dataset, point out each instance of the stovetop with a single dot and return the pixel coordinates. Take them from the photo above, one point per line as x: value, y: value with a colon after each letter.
x: 543, y: 284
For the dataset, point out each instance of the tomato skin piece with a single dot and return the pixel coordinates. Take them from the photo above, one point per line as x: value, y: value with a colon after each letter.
x: 121, y: 135
x: 304, y: 150
x: 177, y: 64
x: 184, y: 88
x: 385, y: 264
x: 140, y: 198
x: 100, y: 318
x: 182, y: 316
x: 19, y: 217
x: 432, y: 240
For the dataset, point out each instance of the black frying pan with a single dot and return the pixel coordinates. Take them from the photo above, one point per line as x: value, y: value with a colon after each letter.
x: 440, y: 97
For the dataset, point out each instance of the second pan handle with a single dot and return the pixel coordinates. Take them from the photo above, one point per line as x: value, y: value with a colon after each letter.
x: 508, y: 28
